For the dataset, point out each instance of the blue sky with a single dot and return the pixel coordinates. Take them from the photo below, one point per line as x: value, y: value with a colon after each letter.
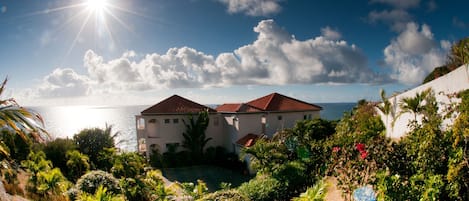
x: 214, y: 51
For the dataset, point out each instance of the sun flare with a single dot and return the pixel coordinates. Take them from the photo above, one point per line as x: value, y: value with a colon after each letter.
x: 96, y: 5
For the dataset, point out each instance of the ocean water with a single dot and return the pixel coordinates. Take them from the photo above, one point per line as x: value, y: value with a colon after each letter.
x: 66, y: 121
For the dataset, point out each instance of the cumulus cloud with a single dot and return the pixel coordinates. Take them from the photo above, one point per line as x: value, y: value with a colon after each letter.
x: 274, y: 58
x: 330, y: 34
x: 414, y: 53
x: 64, y: 82
x: 396, y: 18
x: 253, y: 7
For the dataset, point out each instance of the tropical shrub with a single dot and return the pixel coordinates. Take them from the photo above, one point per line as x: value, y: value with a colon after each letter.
x: 263, y: 188
x: 128, y: 165
x: 228, y: 195
x: 101, y: 194
x: 77, y: 164
x: 195, y: 191
x: 92, y: 141
x: 56, y: 151
x: 92, y: 180
x: 316, y: 193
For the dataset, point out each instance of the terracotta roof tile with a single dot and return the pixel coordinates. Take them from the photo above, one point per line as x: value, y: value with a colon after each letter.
x: 248, y: 140
x: 237, y: 107
x: 176, y: 105
x: 279, y: 102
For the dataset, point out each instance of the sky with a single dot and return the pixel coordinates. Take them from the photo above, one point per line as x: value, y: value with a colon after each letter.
x: 134, y: 52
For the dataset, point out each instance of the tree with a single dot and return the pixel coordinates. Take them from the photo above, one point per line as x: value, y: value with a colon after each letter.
x: 93, y: 141
x: 25, y: 123
x: 194, y: 137
x: 459, y: 53
x: 77, y: 164
x: 413, y: 104
x: 56, y: 151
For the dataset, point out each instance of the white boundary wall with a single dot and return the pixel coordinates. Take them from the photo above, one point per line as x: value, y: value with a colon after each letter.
x: 453, y: 82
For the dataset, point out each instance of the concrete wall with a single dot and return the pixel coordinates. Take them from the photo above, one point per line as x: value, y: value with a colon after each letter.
x: 453, y: 82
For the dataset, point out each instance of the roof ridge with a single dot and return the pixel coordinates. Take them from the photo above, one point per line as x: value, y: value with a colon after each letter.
x: 272, y: 95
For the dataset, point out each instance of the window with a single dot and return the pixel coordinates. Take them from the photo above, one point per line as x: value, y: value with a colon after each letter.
x: 175, y: 121
x: 152, y: 121
x: 166, y: 121
x: 310, y: 116
x: 305, y: 117
x: 279, y: 117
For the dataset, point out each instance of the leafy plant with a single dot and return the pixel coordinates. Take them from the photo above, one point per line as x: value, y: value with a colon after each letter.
x: 128, y: 165
x: 263, y: 188
x: 194, y: 137
x: 101, y: 194
x: 77, y: 164
x: 92, y: 180
x: 316, y: 193
x: 92, y: 141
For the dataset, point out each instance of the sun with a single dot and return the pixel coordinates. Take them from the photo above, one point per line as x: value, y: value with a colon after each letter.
x: 96, y: 5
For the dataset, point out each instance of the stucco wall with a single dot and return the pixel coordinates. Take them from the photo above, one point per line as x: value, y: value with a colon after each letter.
x: 453, y: 82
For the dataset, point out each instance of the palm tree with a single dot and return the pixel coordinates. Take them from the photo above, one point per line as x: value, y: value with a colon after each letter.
x: 194, y: 137
x: 414, y: 104
x: 386, y: 107
x: 25, y: 123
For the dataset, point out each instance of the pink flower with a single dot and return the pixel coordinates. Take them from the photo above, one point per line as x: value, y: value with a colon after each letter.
x: 363, y: 154
x: 360, y: 147
x: 335, y: 149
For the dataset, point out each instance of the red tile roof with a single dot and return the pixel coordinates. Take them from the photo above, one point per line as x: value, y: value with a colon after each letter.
x: 237, y: 107
x: 176, y: 105
x: 279, y: 102
x: 248, y: 140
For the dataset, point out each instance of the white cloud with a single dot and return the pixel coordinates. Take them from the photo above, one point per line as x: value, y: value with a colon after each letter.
x: 330, y: 34
x: 399, y: 3
x: 253, y: 7
x: 274, y: 58
x: 3, y: 9
x: 64, y: 82
x: 413, y: 54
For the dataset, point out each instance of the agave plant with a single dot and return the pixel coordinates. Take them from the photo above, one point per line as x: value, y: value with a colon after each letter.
x: 23, y: 122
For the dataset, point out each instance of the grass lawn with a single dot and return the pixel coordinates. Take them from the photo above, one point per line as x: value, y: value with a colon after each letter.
x: 212, y: 175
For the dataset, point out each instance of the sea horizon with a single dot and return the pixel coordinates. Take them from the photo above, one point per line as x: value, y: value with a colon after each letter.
x: 66, y: 121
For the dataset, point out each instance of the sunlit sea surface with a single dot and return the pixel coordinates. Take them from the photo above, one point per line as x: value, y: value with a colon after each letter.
x: 66, y: 121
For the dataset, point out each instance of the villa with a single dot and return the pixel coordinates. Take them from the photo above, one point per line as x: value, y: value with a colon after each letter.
x: 231, y: 125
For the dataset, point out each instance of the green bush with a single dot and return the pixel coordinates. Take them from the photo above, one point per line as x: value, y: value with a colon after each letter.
x: 263, y: 188
x: 56, y: 152
x: 225, y: 195
x: 128, y: 165
x: 89, y: 182
x: 92, y: 141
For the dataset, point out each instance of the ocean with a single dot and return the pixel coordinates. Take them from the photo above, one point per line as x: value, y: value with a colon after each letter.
x: 66, y: 121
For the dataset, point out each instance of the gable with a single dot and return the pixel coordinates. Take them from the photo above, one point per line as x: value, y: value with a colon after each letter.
x: 176, y: 105
x: 279, y: 102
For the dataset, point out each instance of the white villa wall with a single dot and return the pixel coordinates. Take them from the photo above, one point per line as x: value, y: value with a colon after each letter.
x: 172, y: 132
x: 453, y: 82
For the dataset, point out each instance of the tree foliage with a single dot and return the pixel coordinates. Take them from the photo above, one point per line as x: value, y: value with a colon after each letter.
x: 92, y: 141
x: 195, y: 138
x: 25, y: 123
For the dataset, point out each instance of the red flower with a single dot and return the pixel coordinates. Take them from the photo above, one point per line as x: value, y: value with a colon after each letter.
x: 360, y: 147
x: 363, y: 154
x: 335, y: 149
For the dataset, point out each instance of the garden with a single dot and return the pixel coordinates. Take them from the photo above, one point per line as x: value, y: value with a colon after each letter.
x: 428, y: 163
